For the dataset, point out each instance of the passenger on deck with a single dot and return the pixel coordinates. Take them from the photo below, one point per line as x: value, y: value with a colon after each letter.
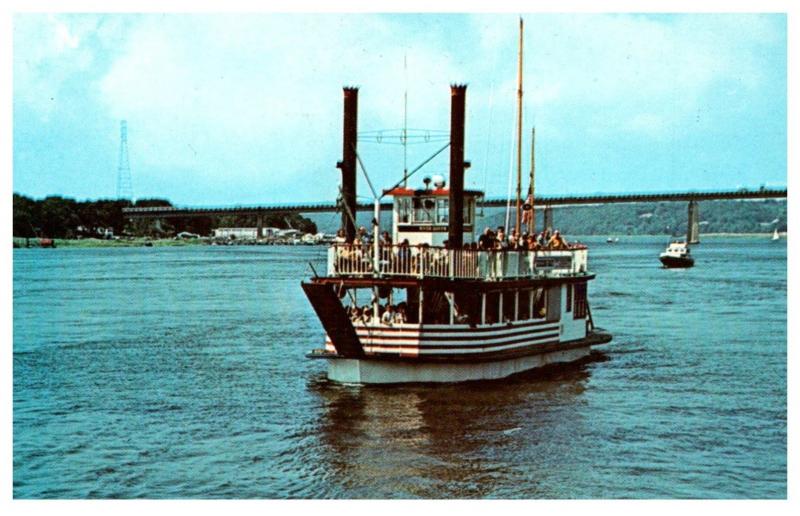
x: 385, y: 243
x: 367, y: 315
x: 400, y: 314
x: 522, y: 242
x: 486, y: 240
x: 388, y: 315
x: 458, y: 317
x: 512, y: 240
x: 557, y: 241
x: 404, y: 257
x: 339, y: 239
x: 500, y: 239
x: 363, y: 237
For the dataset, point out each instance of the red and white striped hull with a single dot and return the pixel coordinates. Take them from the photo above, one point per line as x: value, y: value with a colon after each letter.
x: 460, y: 342
x: 457, y: 353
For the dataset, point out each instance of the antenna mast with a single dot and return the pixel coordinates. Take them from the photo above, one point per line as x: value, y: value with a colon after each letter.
x: 405, y: 122
x: 519, y: 137
x: 124, y: 186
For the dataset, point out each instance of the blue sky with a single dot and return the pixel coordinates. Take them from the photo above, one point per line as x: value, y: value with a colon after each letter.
x: 227, y: 109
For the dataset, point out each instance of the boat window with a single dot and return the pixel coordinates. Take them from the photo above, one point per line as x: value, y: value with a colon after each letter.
x: 404, y: 209
x: 508, y: 306
x: 492, y: 302
x: 468, y: 211
x: 424, y: 209
x: 435, y: 307
x: 539, y: 303
x: 442, y: 211
x: 524, y: 304
x: 569, y: 298
x: 580, y: 301
x: 553, y: 309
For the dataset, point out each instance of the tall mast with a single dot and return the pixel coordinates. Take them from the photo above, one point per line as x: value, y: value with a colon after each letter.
x: 519, y: 136
x: 405, y: 122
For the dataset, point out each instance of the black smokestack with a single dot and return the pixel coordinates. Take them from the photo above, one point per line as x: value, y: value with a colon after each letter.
x: 348, y: 163
x: 458, y: 97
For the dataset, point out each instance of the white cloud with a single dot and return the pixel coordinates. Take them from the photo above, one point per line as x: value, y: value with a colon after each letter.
x: 47, y: 52
x: 219, y: 94
x: 656, y: 70
x: 236, y: 97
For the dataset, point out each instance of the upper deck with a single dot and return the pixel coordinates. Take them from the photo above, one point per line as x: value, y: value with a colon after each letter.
x: 404, y: 261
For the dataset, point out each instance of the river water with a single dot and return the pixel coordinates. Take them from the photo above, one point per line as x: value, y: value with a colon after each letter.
x: 180, y: 373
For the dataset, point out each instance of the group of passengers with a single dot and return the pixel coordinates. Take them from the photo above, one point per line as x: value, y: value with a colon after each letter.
x: 362, y: 237
x: 488, y: 241
x: 387, y: 315
x: 497, y: 241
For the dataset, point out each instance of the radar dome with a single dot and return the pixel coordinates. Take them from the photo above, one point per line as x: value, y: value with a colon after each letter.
x: 438, y: 181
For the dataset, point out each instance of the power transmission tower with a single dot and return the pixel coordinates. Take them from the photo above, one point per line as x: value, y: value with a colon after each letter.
x: 124, y: 185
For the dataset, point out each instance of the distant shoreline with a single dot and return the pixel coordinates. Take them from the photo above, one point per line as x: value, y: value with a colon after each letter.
x: 97, y: 243
x: 171, y: 242
x: 782, y: 234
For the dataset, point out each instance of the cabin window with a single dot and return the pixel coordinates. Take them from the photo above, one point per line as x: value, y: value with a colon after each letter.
x: 404, y: 210
x: 539, y: 303
x: 492, y: 303
x: 524, y: 305
x: 435, y: 307
x: 424, y: 209
x: 569, y: 298
x: 580, y: 301
x: 553, y: 304
x: 442, y: 206
x: 468, y: 211
x: 508, y: 306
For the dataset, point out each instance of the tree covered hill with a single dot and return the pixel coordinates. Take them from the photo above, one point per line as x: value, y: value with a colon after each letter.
x: 62, y: 217
x: 644, y: 218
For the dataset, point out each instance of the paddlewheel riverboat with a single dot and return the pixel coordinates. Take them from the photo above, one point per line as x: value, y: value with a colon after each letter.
x: 467, y: 314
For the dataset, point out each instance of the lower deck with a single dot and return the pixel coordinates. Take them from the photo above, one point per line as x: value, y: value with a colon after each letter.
x: 449, y: 322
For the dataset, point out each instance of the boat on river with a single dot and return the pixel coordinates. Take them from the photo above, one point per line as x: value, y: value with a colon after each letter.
x: 466, y: 313
x: 677, y: 255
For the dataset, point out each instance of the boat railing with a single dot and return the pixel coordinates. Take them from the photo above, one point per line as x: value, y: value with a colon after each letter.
x: 439, y: 262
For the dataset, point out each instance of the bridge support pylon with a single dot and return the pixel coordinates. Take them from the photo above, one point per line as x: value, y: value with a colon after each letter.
x: 259, y: 225
x: 548, y: 218
x: 693, y: 224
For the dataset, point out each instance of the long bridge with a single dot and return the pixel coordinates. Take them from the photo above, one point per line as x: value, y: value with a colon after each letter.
x: 545, y: 203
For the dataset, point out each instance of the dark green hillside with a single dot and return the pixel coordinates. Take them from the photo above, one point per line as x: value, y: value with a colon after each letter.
x: 62, y: 217
x: 653, y: 218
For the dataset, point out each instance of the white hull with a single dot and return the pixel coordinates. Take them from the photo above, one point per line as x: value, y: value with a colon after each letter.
x: 371, y: 371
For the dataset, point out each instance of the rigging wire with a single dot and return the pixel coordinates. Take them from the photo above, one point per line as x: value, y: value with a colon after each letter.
x: 512, y: 148
x: 419, y: 167
x: 488, y: 146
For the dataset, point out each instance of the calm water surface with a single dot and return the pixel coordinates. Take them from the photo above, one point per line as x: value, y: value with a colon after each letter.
x: 179, y: 372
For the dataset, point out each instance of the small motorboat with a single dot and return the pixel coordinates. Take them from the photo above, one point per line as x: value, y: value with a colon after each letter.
x: 611, y: 240
x: 677, y: 255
